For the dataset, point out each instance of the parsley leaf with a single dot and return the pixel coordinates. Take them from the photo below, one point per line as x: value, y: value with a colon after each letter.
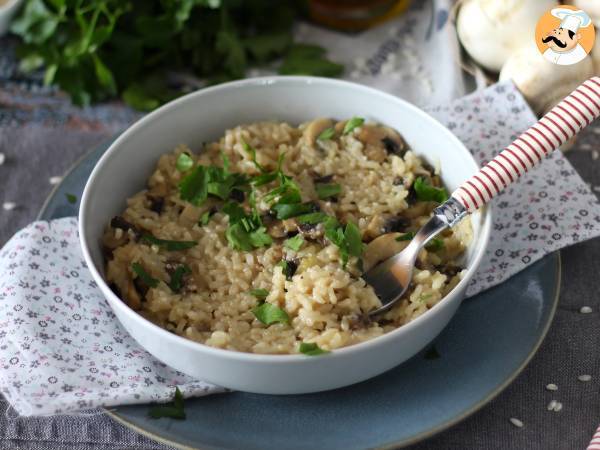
x: 260, y: 294
x: 270, y: 314
x: 406, y: 236
x: 348, y: 239
x: 205, y: 218
x: 171, y: 246
x: 312, y: 218
x: 294, y: 243
x: 287, y: 210
x: 428, y: 193
x: 175, y: 410
x: 252, y: 152
x: 184, y: 162
x: 216, y: 181
x: 176, y: 282
x: 435, y: 244
x: 311, y: 349
x: 327, y: 190
x: 245, y: 232
x: 72, y: 199
x: 193, y: 187
x: 144, y: 276
x: 326, y: 134
x: 352, y: 124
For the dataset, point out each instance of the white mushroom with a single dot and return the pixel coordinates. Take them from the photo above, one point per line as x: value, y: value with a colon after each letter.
x: 491, y: 30
x: 542, y: 83
x: 315, y: 128
x: 382, y: 248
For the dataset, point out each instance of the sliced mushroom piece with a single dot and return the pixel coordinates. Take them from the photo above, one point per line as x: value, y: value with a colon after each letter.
x: 382, y: 248
x: 375, y: 153
x: 374, y: 227
x: 383, y: 138
x: 315, y: 128
x: 395, y: 224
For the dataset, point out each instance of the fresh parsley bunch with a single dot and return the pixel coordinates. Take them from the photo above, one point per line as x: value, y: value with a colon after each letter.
x: 141, y: 50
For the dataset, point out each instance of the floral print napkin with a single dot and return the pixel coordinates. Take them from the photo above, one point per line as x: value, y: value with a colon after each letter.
x: 62, y: 350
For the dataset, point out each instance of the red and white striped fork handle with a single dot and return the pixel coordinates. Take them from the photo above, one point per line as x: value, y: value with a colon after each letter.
x: 560, y: 124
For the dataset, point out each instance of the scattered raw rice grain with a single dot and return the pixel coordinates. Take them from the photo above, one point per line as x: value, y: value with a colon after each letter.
x: 9, y: 206
x: 551, y: 405
x: 2, y: 158
x: 595, y: 154
x: 585, y: 146
x: 584, y: 378
x: 552, y: 387
x: 516, y: 422
x: 596, y: 188
x: 558, y: 407
x: 585, y: 310
x: 55, y: 180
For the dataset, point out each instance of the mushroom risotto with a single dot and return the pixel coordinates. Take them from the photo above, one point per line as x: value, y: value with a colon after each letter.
x: 256, y: 243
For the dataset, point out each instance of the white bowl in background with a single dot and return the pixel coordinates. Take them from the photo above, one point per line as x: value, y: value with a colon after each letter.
x: 7, y: 12
x: 203, y: 116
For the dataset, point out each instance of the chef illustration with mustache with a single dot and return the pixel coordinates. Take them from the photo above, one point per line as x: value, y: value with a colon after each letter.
x: 563, y: 42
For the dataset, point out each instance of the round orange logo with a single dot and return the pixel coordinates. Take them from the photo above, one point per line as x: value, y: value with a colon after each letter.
x: 565, y: 35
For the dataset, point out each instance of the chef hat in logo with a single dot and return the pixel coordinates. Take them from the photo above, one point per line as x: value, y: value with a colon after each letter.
x: 572, y: 20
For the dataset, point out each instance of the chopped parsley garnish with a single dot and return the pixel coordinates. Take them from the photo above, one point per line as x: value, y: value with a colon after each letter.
x: 294, y: 243
x: 264, y: 178
x: 288, y: 210
x: 72, y: 199
x: 428, y: 193
x: 434, y: 245
x: 205, y: 218
x: 176, y: 282
x: 326, y: 134
x: 270, y: 314
x: 252, y: 152
x: 144, y: 276
x: 184, y: 162
x: 174, y: 410
x: 171, y: 246
x: 327, y: 190
x: 312, y: 218
x: 352, y: 124
x: 311, y: 349
x: 240, y: 238
x: 406, y: 236
x: 432, y: 353
x: 245, y: 232
x: 210, y: 180
x: 260, y: 294
x: 347, y: 239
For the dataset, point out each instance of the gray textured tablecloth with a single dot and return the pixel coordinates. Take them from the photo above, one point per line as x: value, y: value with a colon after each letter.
x: 571, y: 348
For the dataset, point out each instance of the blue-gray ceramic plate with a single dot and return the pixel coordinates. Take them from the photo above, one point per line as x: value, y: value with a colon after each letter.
x: 489, y: 341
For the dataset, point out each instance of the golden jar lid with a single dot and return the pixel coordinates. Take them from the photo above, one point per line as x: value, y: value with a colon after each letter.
x: 354, y: 15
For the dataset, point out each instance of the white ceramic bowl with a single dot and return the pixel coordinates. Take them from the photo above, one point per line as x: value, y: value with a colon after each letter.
x: 7, y: 12
x: 203, y: 116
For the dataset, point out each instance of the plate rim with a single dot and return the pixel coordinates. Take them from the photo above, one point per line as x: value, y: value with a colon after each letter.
x: 425, y: 434
x: 387, y: 446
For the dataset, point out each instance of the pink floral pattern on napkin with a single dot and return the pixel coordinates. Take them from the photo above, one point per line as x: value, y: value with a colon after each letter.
x: 549, y: 208
x: 61, y: 346
x: 62, y: 349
